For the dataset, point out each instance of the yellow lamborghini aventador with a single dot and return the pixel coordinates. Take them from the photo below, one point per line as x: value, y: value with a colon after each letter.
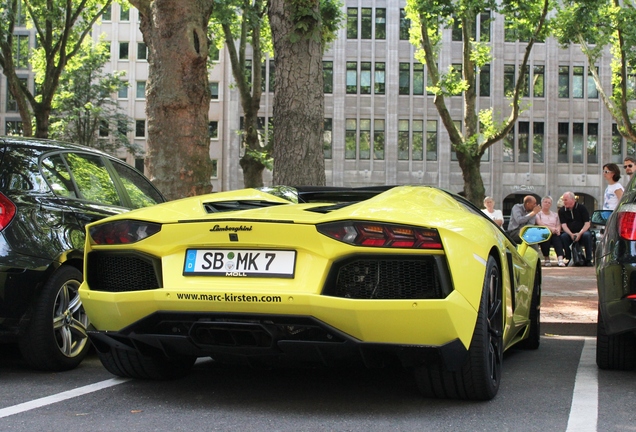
x: 330, y: 275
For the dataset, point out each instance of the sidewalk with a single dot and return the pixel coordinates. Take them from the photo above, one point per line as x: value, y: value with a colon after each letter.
x: 569, y: 303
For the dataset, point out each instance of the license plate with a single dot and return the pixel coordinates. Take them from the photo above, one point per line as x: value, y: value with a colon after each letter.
x: 248, y: 263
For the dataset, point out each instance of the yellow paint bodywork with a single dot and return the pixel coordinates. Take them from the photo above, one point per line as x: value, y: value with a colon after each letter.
x: 468, y: 240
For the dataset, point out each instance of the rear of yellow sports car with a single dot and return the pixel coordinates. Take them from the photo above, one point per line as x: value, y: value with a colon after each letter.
x: 247, y: 277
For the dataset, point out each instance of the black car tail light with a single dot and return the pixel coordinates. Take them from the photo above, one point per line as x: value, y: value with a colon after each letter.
x: 375, y: 234
x: 122, y: 232
x: 7, y: 211
x: 627, y: 223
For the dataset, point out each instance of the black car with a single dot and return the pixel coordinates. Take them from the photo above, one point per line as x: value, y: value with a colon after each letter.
x: 615, y: 259
x: 49, y: 191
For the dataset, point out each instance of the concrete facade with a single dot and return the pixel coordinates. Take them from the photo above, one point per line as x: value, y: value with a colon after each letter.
x: 567, y: 161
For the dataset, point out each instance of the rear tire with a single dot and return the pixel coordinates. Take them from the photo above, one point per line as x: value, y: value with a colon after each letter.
x: 131, y: 364
x: 56, y: 339
x: 479, y: 377
x: 615, y: 352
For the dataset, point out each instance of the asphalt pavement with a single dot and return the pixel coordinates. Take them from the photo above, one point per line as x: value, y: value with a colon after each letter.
x: 569, y: 303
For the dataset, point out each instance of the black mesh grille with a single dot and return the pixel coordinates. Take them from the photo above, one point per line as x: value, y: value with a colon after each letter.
x: 388, y: 278
x: 121, y: 272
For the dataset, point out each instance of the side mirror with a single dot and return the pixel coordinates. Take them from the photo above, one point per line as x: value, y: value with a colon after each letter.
x: 531, y: 234
x: 600, y: 217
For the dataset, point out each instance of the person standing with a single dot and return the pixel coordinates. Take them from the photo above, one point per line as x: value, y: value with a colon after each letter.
x: 546, y: 217
x: 575, y: 225
x: 521, y: 215
x: 614, y: 190
x: 491, y: 212
x: 630, y: 165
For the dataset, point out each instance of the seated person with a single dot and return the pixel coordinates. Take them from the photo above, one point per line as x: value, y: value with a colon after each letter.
x: 521, y: 215
x: 547, y: 218
x: 575, y: 225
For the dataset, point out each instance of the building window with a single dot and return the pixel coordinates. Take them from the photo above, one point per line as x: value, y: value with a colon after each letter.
x: 365, y: 23
x: 140, y: 128
x: 431, y: 140
x: 215, y: 53
x: 562, y: 142
x: 141, y: 89
x: 352, y: 23
x: 592, y: 91
x: 405, y: 79
x: 107, y: 14
x: 378, y: 139
x: 523, y: 141
x: 484, y: 26
x: 123, y: 50
x: 538, y: 81
x: 122, y: 127
x: 403, y: 139
x: 405, y: 25
x: 417, y: 140
x: 124, y: 12
x: 351, y: 129
x: 564, y: 81
x: 248, y: 73
x: 538, y: 138
x: 140, y: 164
x: 525, y: 88
x: 509, y: 80
x: 484, y: 80
x: 142, y: 51
x: 13, y: 128
x: 378, y: 82
x: 577, y: 142
x: 12, y: 103
x: 213, y: 129
x: 214, y: 90
x: 21, y: 51
x: 365, y: 78
x: 509, y: 146
x: 123, y: 91
x: 352, y: 77
x: 592, y: 143
x: 327, y: 76
x: 577, y: 82
x: 380, y: 23
x: 327, y: 138
x: 215, y: 169
x: 418, y: 78
x: 617, y: 145
x: 365, y: 139
x: 103, y: 129
x: 272, y: 76
x: 456, y: 33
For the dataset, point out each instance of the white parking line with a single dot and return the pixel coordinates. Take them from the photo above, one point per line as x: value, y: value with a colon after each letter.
x: 48, y: 400
x: 584, y: 410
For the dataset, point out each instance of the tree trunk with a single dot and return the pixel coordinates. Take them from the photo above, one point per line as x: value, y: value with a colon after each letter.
x: 177, y: 94
x: 474, y: 190
x: 298, y: 99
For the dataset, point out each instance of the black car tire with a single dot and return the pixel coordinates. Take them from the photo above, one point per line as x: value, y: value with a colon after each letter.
x: 131, y: 364
x: 56, y: 338
x: 479, y: 377
x: 534, y: 332
x: 614, y: 352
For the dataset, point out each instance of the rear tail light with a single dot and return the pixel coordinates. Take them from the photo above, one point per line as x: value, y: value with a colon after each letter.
x: 627, y: 222
x: 374, y: 234
x: 122, y: 232
x: 7, y: 211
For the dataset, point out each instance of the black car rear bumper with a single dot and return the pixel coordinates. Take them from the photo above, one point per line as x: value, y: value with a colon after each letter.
x: 266, y: 339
